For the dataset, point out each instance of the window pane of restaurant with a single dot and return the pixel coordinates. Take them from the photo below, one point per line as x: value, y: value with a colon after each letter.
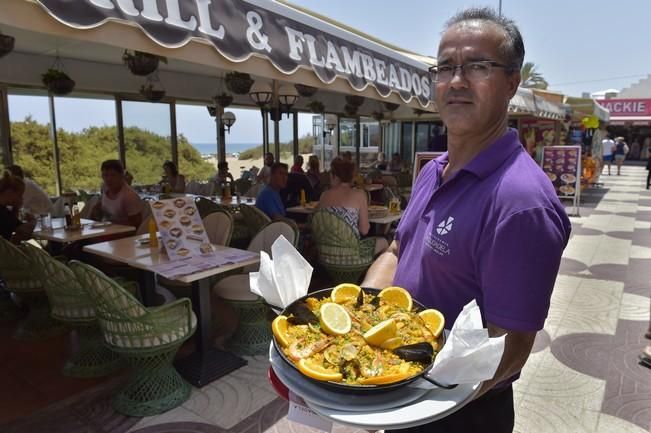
x: 286, y: 128
x: 370, y: 141
x: 430, y: 137
x: 406, y: 142
x: 87, y: 135
x: 348, y: 133
x: 30, y: 138
x: 147, y: 140
x: 197, y: 143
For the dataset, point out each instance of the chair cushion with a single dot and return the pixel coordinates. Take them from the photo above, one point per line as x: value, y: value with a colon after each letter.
x: 235, y: 288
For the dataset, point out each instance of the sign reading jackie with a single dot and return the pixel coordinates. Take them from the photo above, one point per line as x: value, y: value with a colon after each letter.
x: 627, y: 107
x: 239, y: 29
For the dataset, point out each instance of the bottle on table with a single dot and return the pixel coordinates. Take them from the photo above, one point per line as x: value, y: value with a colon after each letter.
x: 303, y: 198
x: 67, y: 215
x: 226, y: 191
x: 153, y: 233
x: 76, y: 216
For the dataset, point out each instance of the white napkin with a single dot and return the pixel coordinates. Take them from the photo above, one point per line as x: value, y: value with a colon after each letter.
x: 469, y: 354
x: 285, y: 278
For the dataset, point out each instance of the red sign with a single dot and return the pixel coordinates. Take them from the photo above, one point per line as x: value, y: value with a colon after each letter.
x: 627, y: 107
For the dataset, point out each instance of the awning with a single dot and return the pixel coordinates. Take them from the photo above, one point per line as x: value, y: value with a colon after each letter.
x: 583, y: 107
x: 523, y: 102
x: 239, y: 30
x: 630, y: 120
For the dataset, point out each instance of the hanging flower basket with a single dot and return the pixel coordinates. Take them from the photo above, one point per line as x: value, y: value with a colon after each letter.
x: 212, y: 110
x: 141, y: 64
x: 350, y: 110
x: 390, y: 106
x: 354, y: 100
x: 273, y: 116
x: 316, y: 107
x: 6, y: 44
x: 238, y: 83
x: 304, y: 90
x: 151, y: 94
x: 58, y: 82
x: 224, y: 99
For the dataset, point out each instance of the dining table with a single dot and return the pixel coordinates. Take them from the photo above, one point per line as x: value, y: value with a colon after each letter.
x: 207, y: 363
x: 312, y: 207
x: 89, y: 229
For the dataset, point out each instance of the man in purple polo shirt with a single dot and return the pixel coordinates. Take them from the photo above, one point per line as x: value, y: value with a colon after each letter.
x: 483, y: 222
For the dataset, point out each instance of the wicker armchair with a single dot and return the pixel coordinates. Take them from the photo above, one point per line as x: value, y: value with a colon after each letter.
x: 148, y: 338
x: 18, y: 275
x: 254, y: 218
x: 72, y: 305
x: 345, y: 256
x: 206, y: 206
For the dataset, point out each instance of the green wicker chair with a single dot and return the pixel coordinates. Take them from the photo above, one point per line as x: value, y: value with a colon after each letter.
x: 206, y: 207
x: 342, y: 253
x: 253, y: 218
x: 253, y: 333
x: 17, y: 273
x: 148, y: 338
x: 72, y: 306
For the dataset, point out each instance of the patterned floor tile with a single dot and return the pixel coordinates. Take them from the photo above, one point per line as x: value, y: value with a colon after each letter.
x: 549, y: 415
x: 582, y: 248
x: 612, y: 251
x: 609, y: 424
x: 227, y: 401
x: 634, y: 307
x: 176, y: 415
x: 640, y: 252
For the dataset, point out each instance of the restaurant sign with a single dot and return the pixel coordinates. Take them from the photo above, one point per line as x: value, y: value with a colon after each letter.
x: 241, y: 29
x: 627, y: 107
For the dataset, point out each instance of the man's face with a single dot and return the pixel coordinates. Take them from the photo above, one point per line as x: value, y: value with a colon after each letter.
x: 113, y: 180
x: 268, y: 159
x: 279, y: 178
x: 472, y: 107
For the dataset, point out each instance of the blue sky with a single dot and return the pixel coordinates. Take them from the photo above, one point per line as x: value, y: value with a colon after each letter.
x: 579, y: 46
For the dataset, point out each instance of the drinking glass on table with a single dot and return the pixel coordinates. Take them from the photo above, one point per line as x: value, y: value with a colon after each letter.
x: 394, y: 205
x: 46, y: 222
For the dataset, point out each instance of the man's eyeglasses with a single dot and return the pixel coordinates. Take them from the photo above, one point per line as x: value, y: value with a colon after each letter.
x: 472, y: 71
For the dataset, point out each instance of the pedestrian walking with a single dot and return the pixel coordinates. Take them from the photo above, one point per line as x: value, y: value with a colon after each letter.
x: 620, y: 150
x: 607, y: 145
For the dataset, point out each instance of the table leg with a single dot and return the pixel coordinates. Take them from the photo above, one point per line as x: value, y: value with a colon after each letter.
x: 207, y: 363
x: 148, y: 288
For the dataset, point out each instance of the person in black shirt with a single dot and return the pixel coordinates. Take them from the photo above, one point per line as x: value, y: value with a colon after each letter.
x: 11, y: 200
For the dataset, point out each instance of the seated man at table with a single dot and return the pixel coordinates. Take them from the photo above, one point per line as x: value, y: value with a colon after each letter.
x: 120, y: 203
x: 35, y: 201
x: 12, y: 190
x: 269, y: 200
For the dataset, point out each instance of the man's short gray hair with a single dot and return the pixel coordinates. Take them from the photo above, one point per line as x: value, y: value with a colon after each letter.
x: 513, y: 46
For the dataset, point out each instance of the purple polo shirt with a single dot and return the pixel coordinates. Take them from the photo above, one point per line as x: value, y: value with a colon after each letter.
x: 495, y: 231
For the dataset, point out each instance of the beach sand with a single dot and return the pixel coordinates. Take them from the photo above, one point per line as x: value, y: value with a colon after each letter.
x: 236, y: 166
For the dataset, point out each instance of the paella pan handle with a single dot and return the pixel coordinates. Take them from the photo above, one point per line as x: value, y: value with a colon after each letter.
x: 440, y: 385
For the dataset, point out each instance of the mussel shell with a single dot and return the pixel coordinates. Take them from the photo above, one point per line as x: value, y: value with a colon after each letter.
x: 419, y: 352
x: 375, y: 301
x: 301, y: 315
x: 360, y: 299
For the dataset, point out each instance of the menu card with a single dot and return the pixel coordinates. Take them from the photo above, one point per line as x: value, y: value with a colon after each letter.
x: 182, y: 232
x: 562, y: 164
x: 187, y: 266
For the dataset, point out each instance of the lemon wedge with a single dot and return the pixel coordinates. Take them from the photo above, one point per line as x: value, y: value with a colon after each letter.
x: 381, y: 332
x: 434, y: 321
x: 279, y: 328
x: 334, y: 319
x: 318, y: 372
x: 345, y: 292
x: 396, y: 296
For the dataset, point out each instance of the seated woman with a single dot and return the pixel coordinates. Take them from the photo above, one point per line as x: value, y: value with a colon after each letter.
x: 313, y: 174
x: 381, y: 162
x: 298, y: 164
x: 172, y: 178
x: 396, y: 162
x: 348, y: 203
x: 12, y: 229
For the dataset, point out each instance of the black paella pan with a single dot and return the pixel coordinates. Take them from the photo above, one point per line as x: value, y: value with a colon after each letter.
x: 357, y: 388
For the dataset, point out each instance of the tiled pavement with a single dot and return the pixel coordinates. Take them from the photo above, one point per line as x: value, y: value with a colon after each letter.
x: 582, y: 377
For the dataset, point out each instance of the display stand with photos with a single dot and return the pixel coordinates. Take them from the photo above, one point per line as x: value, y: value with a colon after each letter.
x: 422, y: 158
x: 562, y: 164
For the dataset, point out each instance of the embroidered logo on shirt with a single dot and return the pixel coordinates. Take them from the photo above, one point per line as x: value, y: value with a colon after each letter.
x: 445, y: 226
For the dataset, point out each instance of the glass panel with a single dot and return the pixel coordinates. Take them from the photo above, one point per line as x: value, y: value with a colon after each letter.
x: 147, y: 140
x: 197, y: 143
x: 30, y: 139
x: 370, y: 141
x: 87, y: 136
x: 430, y: 137
x: 406, y: 142
x: 348, y: 135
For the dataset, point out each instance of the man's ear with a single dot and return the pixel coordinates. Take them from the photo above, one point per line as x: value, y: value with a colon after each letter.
x: 514, y: 82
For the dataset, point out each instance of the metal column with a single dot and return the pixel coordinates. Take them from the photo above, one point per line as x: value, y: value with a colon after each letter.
x: 221, y: 134
x: 358, y: 141
x: 119, y: 119
x: 55, y: 142
x: 295, y: 132
x: 173, y: 134
x: 5, y: 129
